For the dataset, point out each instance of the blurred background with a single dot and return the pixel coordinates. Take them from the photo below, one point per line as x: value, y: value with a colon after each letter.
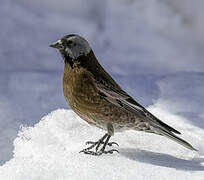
x: 153, y: 48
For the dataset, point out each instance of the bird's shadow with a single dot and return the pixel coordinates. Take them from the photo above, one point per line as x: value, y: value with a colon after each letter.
x: 163, y: 160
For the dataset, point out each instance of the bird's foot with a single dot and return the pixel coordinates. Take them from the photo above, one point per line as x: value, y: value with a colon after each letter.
x: 109, y: 144
x: 97, y: 145
x: 98, y: 153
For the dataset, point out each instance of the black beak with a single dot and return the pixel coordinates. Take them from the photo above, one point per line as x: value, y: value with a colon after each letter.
x: 57, y: 45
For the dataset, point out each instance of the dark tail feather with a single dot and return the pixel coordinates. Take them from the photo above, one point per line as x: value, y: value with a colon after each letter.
x: 175, y: 138
x: 168, y: 127
x: 157, y: 122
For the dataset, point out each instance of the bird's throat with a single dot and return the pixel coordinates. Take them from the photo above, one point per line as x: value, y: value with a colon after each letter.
x: 68, y: 60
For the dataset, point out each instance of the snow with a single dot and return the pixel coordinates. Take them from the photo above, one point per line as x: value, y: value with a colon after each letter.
x: 50, y: 150
x: 154, y: 50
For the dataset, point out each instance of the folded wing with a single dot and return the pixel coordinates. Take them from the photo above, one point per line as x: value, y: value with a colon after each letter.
x: 121, y: 99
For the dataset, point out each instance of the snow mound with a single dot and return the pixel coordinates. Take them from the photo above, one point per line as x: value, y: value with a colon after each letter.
x: 50, y: 150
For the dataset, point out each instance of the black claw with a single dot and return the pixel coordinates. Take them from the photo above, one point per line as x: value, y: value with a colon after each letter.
x: 111, y: 151
x: 112, y: 143
x: 90, y: 142
x: 90, y: 152
x: 99, y: 152
x: 109, y: 144
x: 114, y: 150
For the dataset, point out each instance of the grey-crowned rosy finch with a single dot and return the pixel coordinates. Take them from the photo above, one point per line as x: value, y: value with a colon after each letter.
x: 98, y: 99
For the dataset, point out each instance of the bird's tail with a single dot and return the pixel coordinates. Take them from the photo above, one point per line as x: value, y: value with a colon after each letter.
x: 175, y: 138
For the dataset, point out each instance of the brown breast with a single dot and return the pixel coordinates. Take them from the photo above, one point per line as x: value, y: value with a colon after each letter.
x: 80, y: 92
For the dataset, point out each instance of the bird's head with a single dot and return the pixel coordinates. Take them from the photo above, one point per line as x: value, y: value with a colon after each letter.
x: 72, y: 47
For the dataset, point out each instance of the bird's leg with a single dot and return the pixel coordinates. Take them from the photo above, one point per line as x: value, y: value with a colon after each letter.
x: 110, y: 130
x: 97, y: 145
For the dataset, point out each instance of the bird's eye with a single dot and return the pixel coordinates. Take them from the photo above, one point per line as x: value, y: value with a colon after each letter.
x: 69, y: 42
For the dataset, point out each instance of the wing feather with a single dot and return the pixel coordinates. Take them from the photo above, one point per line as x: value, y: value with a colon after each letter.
x: 123, y: 100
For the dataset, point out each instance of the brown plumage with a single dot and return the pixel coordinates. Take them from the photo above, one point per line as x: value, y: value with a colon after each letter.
x: 98, y: 99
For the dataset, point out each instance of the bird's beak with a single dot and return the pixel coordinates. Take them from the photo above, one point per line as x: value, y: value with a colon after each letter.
x: 57, y: 45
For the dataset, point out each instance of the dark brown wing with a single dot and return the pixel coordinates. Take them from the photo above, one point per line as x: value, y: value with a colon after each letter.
x: 123, y: 100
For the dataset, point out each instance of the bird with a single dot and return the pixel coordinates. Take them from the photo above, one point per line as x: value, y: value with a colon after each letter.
x: 96, y: 97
